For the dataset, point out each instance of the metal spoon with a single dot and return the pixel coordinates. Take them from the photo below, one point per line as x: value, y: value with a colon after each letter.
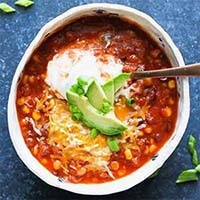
x: 187, y: 70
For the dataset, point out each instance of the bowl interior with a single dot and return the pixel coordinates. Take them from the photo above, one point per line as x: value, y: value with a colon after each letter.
x: 161, y: 37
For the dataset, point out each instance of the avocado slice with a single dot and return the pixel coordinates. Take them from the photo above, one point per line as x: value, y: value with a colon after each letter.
x: 120, y: 80
x: 114, y: 84
x: 107, y: 124
x: 96, y: 95
x: 108, y: 89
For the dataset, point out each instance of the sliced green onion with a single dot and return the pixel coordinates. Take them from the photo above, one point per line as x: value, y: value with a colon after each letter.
x: 77, y: 116
x: 74, y: 108
x: 192, y: 150
x: 106, y: 107
x: 129, y: 101
x: 94, y: 132
x: 83, y: 81
x: 74, y: 88
x: 77, y: 89
x: 197, y: 168
x: 6, y: 8
x: 191, y: 143
x: 24, y: 3
x: 113, y: 144
x: 187, y: 175
x: 80, y: 91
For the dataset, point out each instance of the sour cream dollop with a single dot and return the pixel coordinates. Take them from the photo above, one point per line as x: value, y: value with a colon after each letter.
x: 64, y: 69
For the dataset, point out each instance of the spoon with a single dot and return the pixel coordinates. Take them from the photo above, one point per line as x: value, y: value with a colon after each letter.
x: 187, y: 70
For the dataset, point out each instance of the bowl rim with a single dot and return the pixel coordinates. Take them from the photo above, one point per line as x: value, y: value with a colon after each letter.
x: 101, y: 188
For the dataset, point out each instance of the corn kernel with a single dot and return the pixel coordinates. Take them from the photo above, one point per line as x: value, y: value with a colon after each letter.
x: 25, y: 109
x: 148, y: 130
x: 44, y: 161
x: 114, y: 165
x: 121, y: 172
x: 31, y: 79
x: 146, y: 151
x: 166, y: 112
x: 82, y: 171
x: 152, y: 141
x: 140, y: 133
x: 20, y: 101
x: 36, y: 58
x: 171, y: 101
x: 57, y: 164
x: 43, y: 76
x: 152, y: 148
x: 25, y: 79
x: 148, y: 81
x: 171, y: 84
x: 36, y: 115
x: 35, y: 150
x: 128, y: 154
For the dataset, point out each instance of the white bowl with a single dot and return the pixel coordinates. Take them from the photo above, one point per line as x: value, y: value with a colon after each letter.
x: 163, y: 40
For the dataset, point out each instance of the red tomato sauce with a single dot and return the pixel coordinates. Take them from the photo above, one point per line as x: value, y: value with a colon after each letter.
x: 136, y: 50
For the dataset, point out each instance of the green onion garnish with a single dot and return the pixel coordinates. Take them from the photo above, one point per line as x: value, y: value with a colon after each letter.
x: 82, y: 81
x: 76, y: 113
x: 187, y: 175
x: 192, y: 150
x: 77, y: 116
x: 129, y: 101
x: 77, y: 89
x: 6, y: 8
x: 113, y: 144
x: 106, y: 107
x: 94, y: 132
x: 24, y: 3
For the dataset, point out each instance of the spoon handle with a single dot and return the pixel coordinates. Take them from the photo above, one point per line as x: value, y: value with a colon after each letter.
x: 188, y: 70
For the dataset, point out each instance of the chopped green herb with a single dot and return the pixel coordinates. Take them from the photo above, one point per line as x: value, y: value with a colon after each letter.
x: 187, y: 175
x: 77, y: 89
x: 74, y: 108
x: 24, y: 3
x: 113, y: 144
x: 76, y: 113
x: 192, y: 150
x: 93, y: 132
x: 80, y: 91
x: 197, y: 168
x: 77, y: 116
x: 82, y: 81
x: 6, y: 8
x: 106, y: 107
x: 129, y: 101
